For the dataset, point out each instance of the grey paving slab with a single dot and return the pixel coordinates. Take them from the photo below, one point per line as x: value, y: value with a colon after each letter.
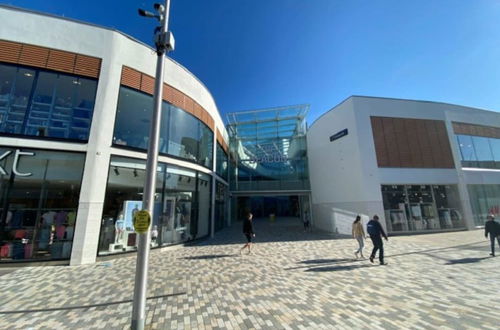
x: 292, y: 280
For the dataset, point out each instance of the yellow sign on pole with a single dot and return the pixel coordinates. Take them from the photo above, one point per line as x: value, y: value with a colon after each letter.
x: 142, y: 221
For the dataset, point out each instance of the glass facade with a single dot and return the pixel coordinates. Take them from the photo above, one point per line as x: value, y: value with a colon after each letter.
x: 40, y: 103
x: 421, y: 207
x: 484, y: 199
x: 39, y: 192
x: 222, y: 164
x: 182, y: 135
x: 478, y: 151
x: 181, y: 207
x: 269, y: 147
x: 221, y: 195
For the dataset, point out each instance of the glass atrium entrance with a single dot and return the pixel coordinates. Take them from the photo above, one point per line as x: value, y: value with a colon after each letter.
x: 268, y: 167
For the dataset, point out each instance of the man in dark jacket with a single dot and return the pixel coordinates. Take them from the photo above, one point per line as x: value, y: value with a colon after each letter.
x: 248, y: 231
x: 375, y: 230
x: 493, y: 228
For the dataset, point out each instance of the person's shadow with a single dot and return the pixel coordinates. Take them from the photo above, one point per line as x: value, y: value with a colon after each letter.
x: 465, y: 261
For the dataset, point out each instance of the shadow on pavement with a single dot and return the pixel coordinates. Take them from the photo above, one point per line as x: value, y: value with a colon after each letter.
x: 209, y: 256
x: 465, y: 261
x: 336, y: 268
x: 326, y: 261
x: 87, y: 306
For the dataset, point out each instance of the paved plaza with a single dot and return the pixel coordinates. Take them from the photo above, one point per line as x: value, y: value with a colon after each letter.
x: 292, y: 280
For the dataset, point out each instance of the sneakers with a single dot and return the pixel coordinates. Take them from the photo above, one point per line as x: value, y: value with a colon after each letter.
x: 383, y: 263
x: 492, y: 254
x: 371, y: 260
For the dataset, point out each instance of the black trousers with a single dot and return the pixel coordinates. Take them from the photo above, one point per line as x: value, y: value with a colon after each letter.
x: 378, y: 245
x: 492, y: 240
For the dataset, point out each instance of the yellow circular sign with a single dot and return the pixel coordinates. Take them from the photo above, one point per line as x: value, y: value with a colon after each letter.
x: 142, y: 221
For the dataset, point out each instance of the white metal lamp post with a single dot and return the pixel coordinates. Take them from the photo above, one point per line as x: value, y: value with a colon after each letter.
x: 164, y: 42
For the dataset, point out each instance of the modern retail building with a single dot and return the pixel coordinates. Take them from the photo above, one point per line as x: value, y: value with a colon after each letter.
x: 421, y: 166
x: 75, y: 110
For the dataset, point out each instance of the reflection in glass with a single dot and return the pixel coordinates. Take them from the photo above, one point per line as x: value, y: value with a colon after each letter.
x: 181, y: 134
x: 478, y: 151
x: 61, y: 105
x: 484, y: 199
x: 181, y: 206
x: 268, y: 148
x: 222, y: 162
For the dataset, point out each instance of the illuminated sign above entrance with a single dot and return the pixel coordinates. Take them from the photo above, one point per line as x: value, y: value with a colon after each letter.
x: 17, y: 155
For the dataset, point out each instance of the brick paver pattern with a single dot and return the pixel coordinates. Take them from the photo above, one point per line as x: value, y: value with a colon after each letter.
x: 292, y: 280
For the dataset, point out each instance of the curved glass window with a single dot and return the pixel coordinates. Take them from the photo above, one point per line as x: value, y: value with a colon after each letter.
x: 181, y: 205
x: 222, y: 164
x: 45, y: 104
x: 182, y: 135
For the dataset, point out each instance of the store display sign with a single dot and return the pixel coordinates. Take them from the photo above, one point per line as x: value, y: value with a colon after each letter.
x: 130, y: 209
x: 338, y: 135
x: 17, y: 156
x: 142, y: 221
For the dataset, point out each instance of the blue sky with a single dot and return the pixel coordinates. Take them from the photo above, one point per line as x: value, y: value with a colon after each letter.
x: 264, y: 53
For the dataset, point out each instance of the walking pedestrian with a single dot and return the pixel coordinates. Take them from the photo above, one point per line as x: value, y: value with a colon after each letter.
x: 359, y: 234
x: 375, y: 230
x: 248, y: 231
x: 493, y: 228
x: 306, y: 221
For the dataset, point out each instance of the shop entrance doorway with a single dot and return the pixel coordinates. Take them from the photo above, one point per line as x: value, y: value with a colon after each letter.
x: 280, y: 206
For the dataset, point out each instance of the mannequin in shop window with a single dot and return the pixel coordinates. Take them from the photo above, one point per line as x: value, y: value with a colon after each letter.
x: 119, y: 228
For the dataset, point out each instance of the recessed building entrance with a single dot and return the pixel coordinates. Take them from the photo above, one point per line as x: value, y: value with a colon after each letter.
x: 279, y: 206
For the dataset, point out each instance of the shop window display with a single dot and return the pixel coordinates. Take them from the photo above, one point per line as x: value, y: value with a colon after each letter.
x: 39, y: 193
x: 175, y: 217
x: 421, y: 207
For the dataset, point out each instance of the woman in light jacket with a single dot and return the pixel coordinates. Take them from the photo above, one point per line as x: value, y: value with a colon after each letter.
x: 358, y: 233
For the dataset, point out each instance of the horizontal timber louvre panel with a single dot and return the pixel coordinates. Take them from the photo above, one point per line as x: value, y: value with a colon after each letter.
x: 47, y: 58
x: 411, y: 143
x: 476, y: 130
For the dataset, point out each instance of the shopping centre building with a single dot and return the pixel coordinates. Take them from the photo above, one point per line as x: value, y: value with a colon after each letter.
x: 75, y: 111
x: 421, y: 166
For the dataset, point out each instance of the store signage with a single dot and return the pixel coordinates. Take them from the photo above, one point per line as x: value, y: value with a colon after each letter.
x: 338, y: 135
x: 17, y: 155
x: 142, y: 221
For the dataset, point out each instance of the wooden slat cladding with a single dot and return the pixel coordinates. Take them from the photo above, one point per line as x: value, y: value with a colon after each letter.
x: 47, y: 58
x: 411, y: 143
x: 380, y: 146
x: 10, y: 51
x: 477, y: 130
x: 140, y: 81
x: 87, y: 66
x: 131, y: 78
x: 61, y: 61
x: 147, y: 84
x: 34, y: 56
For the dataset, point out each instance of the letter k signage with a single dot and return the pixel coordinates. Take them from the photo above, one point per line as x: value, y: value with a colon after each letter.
x: 17, y: 156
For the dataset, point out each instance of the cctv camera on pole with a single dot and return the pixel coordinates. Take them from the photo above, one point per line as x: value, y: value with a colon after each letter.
x: 164, y: 42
